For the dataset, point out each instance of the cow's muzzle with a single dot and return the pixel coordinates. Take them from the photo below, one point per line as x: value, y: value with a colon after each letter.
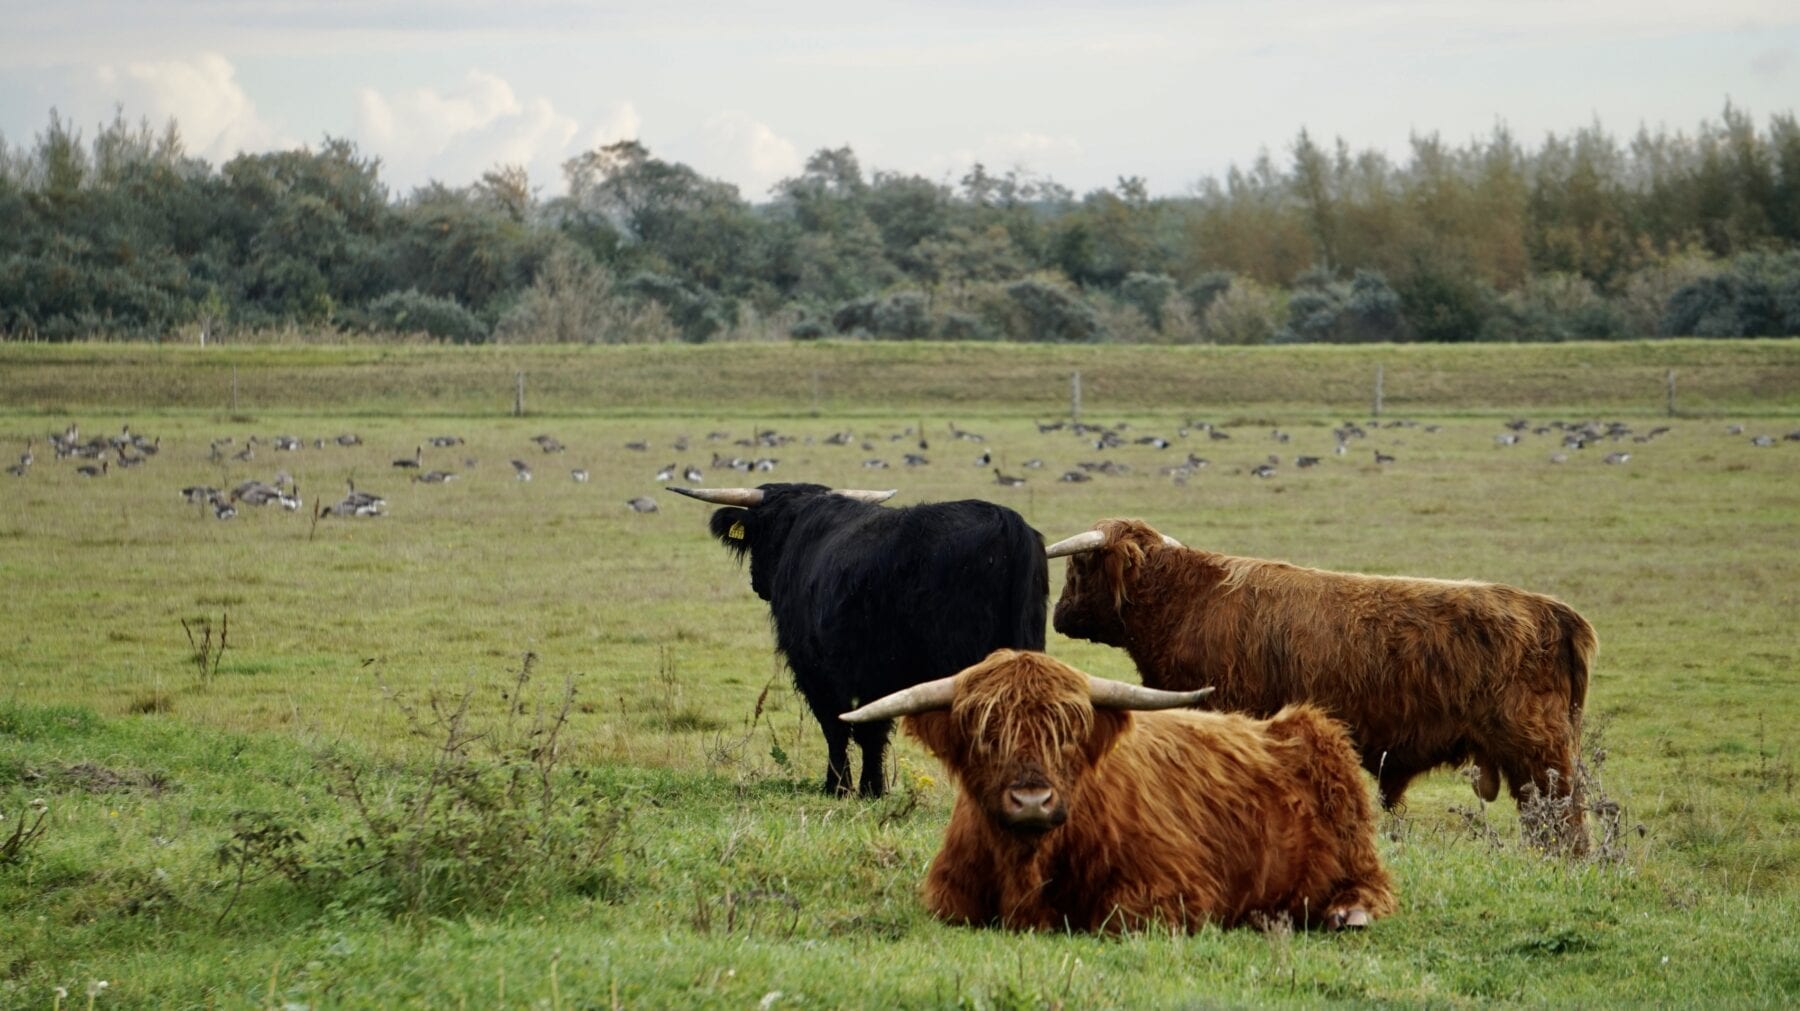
x: 1032, y: 809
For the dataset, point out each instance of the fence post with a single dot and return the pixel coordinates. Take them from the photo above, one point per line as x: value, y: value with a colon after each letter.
x: 234, y: 389
x: 1671, y: 382
x: 1075, y: 396
x: 815, y: 389
x: 1378, y: 377
x: 519, y: 395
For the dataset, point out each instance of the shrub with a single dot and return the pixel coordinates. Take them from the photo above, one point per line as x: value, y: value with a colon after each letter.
x: 413, y: 311
x: 1046, y: 312
x: 1148, y: 294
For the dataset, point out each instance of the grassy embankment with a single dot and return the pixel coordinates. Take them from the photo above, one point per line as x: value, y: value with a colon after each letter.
x: 729, y: 879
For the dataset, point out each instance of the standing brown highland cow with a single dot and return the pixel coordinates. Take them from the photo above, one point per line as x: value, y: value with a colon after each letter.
x: 1074, y: 813
x: 1425, y: 672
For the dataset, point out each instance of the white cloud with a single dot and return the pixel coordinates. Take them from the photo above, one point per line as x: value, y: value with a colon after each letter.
x: 740, y: 149
x: 455, y: 135
x: 218, y: 120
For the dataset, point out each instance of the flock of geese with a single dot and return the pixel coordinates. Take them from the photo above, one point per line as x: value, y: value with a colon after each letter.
x: 99, y: 456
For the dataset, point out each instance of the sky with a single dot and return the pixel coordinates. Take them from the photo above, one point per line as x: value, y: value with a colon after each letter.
x: 743, y: 90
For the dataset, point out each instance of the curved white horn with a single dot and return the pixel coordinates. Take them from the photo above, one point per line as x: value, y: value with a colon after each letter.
x: 724, y: 496
x: 1170, y: 542
x: 862, y: 495
x: 919, y: 698
x: 1106, y: 693
x: 1087, y: 540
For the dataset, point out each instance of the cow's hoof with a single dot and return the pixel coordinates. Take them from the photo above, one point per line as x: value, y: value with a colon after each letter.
x: 1354, y: 918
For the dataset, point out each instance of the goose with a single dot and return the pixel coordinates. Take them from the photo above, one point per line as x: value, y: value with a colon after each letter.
x: 984, y: 459
x: 1616, y: 457
x: 1278, y: 435
x: 1263, y: 470
x: 222, y: 509
x: 1074, y: 477
x: 916, y: 460
x: 1763, y: 440
x: 667, y: 473
x: 635, y: 445
x: 1155, y: 440
x: 692, y: 473
x: 681, y: 444
x: 196, y: 494
x: 1381, y: 457
x: 1734, y: 429
x: 435, y: 476
x: 89, y: 470
x: 444, y: 441
x: 580, y: 475
x: 838, y: 439
x: 642, y: 504
x: 27, y: 458
x: 360, y: 503
x: 413, y: 462
x: 349, y: 439
x: 289, y: 500
x: 255, y: 493
x: 1217, y: 434
x: 18, y: 469
x: 1306, y: 461
x: 1559, y: 457
x: 548, y: 443
x: 521, y: 470
x: 126, y: 460
x: 765, y: 464
x: 1007, y: 480
x: 287, y: 443
x: 1506, y: 439
x: 875, y: 464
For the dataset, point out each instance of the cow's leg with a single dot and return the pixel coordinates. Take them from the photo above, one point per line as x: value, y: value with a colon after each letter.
x: 872, y: 738
x: 1543, y: 754
x: 1393, y: 774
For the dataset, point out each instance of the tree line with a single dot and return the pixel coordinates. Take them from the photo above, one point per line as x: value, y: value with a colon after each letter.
x: 1583, y: 236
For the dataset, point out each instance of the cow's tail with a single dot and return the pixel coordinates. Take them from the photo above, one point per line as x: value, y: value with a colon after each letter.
x: 1579, y: 643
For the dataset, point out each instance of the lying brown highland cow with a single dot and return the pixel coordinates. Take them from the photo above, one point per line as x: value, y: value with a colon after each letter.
x: 1425, y: 672
x: 1074, y: 813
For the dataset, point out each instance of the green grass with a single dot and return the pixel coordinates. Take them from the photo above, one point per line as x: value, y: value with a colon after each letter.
x: 732, y: 879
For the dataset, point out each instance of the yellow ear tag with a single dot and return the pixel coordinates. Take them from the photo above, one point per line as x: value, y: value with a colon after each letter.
x: 736, y: 532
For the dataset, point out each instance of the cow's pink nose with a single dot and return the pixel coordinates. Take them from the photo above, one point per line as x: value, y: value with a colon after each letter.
x: 1030, y: 805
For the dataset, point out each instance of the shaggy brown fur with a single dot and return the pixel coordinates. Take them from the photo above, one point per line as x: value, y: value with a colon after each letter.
x: 1178, y: 817
x: 1426, y: 672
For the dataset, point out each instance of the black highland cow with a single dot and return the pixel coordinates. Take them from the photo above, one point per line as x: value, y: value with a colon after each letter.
x: 868, y: 600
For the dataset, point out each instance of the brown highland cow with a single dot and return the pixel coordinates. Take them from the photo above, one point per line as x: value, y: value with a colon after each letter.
x: 1074, y: 813
x: 1425, y: 672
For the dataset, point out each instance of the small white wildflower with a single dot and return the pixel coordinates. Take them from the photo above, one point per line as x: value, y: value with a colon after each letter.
x: 768, y: 1000
x: 61, y: 992
x: 38, y: 805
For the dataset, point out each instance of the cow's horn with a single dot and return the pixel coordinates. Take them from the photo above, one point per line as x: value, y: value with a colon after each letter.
x: 920, y: 698
x: 1087, y: 540
x: 724, y: 496
x: 862, y: 495
x: 1108, y: 694
x: 1170, y: 542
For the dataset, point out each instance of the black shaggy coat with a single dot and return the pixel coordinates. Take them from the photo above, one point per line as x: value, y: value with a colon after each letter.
x: 867, y: 600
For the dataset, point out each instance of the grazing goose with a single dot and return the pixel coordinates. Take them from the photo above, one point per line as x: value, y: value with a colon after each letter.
x: 548, y: 443
x: 17, y: 470
x: 1007, y: 480
x: 875, y: 464
x: 580, y: 475
x: 1033, y: 464
x: 1278, y: 435
x: 1381, y: 457
x: 1152, y: 440
x: 127, y: 460
x: 255, y: 493
x: 1559, y: 457
x: 222, y: 509
x: 89, y: 470
x: 195, y: 494
x: 642, y: 504
x: 287, y: 443
x: 521, y: 470
x: 681, y: 444
x: 27, y: 458
x: 444, y: 441
x: 635, y: 445
x: 1074, y: 477
x: 765, y: 463
x: 1263, y: 470
x: 412, y: 462
x: 435, y: 476
x: 692, y: 473
x: 1217, y: 434
x: 1617, y: 457
x: 1306, y: 461
x: 984, y: 459
x: 357, y: 503
x: 1507, y: 439
x: 1763, y: 440
x: 349, y: 439
x: 1734, y: 429
x: 916, y: 460
x: 667, y: 473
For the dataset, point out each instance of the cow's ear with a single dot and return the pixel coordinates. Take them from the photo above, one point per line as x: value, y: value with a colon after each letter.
x: 937, y: 731
x: 730, y: 526
x: 1109, y: 726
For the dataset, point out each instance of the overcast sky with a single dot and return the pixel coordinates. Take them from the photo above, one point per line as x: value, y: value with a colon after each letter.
x: 744, y: 90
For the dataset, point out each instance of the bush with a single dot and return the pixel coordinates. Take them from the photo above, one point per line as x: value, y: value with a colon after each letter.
x: 1148, y: 294
x: 413, y: 311
x: 1045, y: 312
x: 1325, y: 310
x: 1444, y: 306
x: 1758, y: 296
x: 1555, y: 307
x: 1244, y: 313
x: 697, y: 313
x: 477, y: 830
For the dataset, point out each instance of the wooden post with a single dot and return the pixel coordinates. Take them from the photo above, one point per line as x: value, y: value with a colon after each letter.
x: 1075, y: 396
x: 1378, y: 377
x: 1671, y: 382
x: 234, y: 388
x: 815, y: 393
x: 519, y: 395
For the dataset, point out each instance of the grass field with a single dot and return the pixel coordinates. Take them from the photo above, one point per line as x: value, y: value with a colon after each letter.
x: 718, y: 877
